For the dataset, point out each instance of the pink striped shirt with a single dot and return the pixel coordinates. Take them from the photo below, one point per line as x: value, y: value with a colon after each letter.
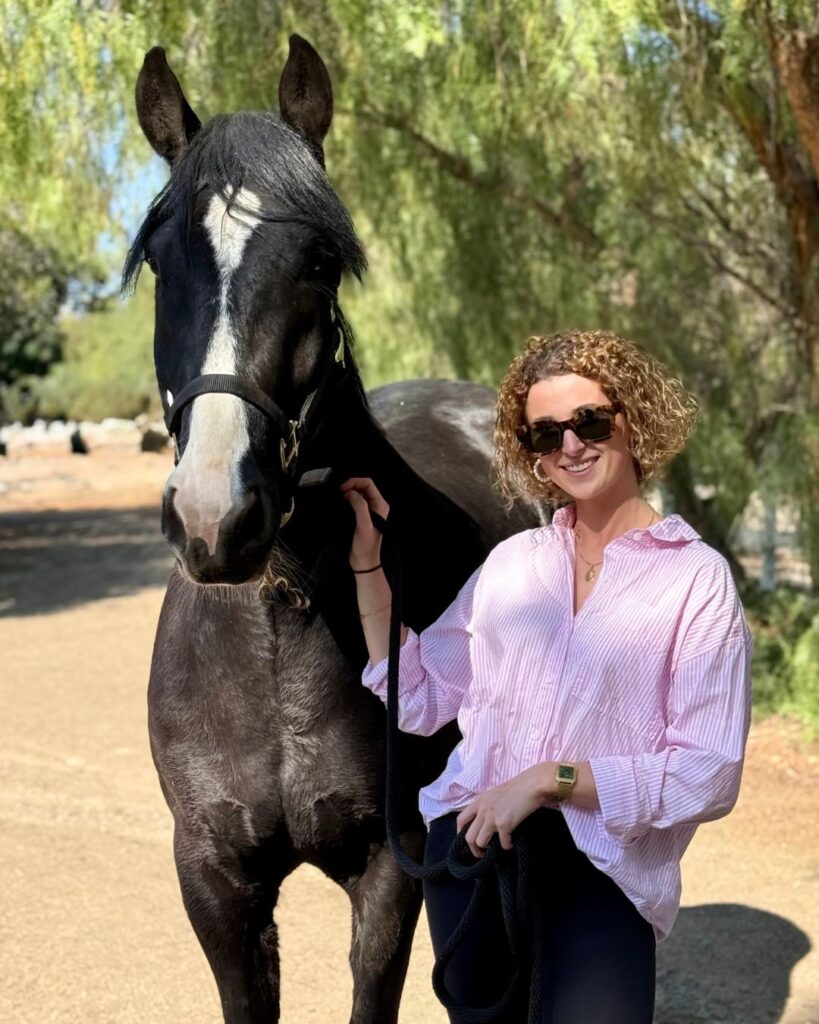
x: 650, y: 683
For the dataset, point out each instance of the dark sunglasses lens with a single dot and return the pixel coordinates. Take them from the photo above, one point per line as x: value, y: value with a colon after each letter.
x: 544, y: 439
x: 595, y: 428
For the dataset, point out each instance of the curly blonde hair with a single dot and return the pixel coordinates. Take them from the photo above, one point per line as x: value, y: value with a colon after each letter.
x: 660, y: 413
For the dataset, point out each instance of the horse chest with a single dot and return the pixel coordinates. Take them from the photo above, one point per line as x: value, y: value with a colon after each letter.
x: 273, y: 724
x: 324, y: 722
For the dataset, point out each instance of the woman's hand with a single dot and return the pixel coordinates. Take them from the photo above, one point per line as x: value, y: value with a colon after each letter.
x: 502, y: 808
x: 363, y: 495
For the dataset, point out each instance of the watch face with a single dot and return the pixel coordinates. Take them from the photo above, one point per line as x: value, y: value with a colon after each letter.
x: 565, y: 772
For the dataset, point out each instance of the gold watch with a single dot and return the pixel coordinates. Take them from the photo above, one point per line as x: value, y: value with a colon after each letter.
x: 565, y: 777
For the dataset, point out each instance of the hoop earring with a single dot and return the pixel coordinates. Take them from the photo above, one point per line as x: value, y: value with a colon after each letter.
x: 544, y: 479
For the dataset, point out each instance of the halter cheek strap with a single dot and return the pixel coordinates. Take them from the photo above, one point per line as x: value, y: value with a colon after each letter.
x: 291, y: 432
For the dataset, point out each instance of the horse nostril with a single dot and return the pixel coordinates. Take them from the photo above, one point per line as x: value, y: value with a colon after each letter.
x: 172, y: 526
x: 253, y: 520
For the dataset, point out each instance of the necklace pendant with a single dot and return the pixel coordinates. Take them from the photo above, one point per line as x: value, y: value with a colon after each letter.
x: 590, y: 575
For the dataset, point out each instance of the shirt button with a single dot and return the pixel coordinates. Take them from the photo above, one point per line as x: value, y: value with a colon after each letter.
x: 534, y: 731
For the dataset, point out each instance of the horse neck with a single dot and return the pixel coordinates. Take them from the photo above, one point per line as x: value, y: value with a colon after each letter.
x: 435, y: 537
x: 350, y: 443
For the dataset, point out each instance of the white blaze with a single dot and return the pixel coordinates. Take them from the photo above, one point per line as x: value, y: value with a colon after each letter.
x: 206, y: 479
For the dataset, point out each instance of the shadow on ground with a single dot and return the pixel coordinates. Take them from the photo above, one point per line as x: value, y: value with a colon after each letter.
x: 56, y: 559
x: 726, y: 963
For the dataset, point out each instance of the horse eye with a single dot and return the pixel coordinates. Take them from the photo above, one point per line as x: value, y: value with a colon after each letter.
x: 152, y: 265
x: 321, y: 264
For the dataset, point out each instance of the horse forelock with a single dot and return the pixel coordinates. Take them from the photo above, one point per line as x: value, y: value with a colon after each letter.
x: 260, y: 153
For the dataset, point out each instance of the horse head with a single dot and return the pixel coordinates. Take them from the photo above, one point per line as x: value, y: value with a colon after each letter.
x: 248, y: 242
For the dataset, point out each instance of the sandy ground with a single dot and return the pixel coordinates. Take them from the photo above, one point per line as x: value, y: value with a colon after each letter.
x: 92, y: 927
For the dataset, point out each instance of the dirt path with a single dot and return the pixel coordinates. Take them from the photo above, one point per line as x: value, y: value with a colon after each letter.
x: 92, y: 929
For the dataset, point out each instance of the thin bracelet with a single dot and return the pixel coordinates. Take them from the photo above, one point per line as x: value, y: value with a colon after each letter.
x: 359, y: 571
x: 364, y: 615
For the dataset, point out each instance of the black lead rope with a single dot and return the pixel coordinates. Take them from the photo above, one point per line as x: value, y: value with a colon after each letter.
x: 509, y: 870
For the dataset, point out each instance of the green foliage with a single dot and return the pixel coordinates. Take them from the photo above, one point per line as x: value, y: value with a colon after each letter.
x: 32, y: 289
x: 66, y: 78
x: 513, y: 167
x: 107, y: 369
x: 785, y: 667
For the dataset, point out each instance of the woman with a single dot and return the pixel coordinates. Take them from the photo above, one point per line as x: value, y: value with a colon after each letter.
x: 599, y: 669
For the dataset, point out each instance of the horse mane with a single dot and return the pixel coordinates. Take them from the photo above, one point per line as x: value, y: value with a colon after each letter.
x: 260, y: 152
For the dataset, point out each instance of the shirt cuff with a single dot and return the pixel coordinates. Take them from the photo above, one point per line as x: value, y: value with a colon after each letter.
x: 623, y: 807
x: 411, y: 671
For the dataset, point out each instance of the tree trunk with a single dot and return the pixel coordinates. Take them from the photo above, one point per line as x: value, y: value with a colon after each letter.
x: 767, y: 579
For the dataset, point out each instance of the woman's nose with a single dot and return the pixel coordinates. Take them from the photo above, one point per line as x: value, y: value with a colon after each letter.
x: 572, y: 443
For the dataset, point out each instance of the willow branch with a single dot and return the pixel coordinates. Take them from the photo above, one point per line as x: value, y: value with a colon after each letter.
x: 748, y: 245
x: 715, y: 257
x: 501, y: 186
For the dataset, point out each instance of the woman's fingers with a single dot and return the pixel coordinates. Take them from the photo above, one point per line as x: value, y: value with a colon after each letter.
x: 360, y: 507
x: 465, y: 816
x: 364, y: 486
x: 487, y: 830
x: 471, y: 813
x: 483, y: 826
x: 471, y: 842
x: 478, y: 836
x: 363, y: 497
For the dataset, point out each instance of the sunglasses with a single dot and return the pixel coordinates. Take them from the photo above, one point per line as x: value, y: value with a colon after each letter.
x: 595, y: 423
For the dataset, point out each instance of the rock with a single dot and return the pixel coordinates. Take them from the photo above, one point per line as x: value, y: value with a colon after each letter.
x: 154, y: 440
x: 78, y: 445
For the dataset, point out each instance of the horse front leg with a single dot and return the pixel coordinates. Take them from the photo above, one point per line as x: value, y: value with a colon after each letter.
x: 385, y: 905
x: 231, y: 911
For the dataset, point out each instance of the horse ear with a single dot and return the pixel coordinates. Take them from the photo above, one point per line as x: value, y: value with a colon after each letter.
x: 165, y: 116
x: 306, y: 93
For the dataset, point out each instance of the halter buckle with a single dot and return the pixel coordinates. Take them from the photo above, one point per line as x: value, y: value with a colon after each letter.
x: 293, y: 441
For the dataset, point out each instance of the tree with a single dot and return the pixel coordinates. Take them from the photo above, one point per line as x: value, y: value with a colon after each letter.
x: 66, y: 75
x: 647, y: 166
x: 752, y: 71
x: 32, y: 289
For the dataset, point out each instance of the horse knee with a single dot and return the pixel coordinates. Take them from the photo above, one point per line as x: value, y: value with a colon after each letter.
x: 213, y: 869
x: 385, y: 904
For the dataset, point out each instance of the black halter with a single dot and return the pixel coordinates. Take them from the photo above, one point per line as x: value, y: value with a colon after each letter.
x: 291, y: 431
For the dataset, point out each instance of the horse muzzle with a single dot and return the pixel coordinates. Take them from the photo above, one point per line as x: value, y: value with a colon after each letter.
x: 216, y: 545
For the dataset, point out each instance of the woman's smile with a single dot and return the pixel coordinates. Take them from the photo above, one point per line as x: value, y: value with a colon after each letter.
x: 581, y: 468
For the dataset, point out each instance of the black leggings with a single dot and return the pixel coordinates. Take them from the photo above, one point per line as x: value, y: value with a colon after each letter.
x: 599, y: 952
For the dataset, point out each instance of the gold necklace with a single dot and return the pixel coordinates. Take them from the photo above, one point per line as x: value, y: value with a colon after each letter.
x: 590, y: 574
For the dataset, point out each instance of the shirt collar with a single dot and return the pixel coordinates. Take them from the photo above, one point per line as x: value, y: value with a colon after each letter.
x: 672, y: 529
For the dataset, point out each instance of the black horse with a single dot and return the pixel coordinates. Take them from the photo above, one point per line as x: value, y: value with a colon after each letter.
x: 269, y: 751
